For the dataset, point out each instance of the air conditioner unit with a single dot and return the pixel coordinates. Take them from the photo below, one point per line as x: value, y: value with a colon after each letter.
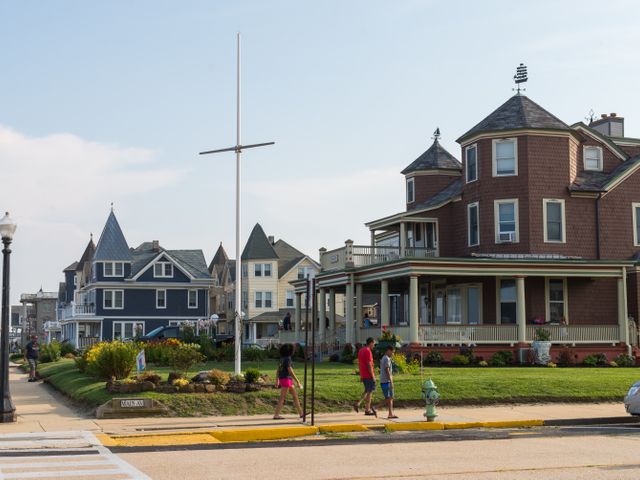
x: 507, y: 236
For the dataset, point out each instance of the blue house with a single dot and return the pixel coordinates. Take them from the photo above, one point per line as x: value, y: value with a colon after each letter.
x: 122, y: 292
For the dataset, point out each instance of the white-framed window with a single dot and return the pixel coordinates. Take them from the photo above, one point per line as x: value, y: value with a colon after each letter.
x: 245, y: 270
x: 473, y: 224
x: 262, y: 270
x: 454, y: 305
x: 161, y: 299
x: 554, y: 220
x: 289, y: 298
x: 245, y: 299
x: 636, y: 223
x: 113, y: 299
x: 556, y: 296
x: 193, y: 298
x: 258, y: 300
x: 592, y: 158
x: 75, y: 280
x: 411, y: 193
x: 506, y: 220
x: 505, y: 157
x: 113, y: 269
x: 507, y: 300
x: 471, y: 158
x: 123, y: 330
x: 267, y: 299
x: 163, y: 270
x: 262, y: 300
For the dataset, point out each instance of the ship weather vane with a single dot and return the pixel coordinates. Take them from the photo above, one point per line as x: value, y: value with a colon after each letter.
x: 520, y: 77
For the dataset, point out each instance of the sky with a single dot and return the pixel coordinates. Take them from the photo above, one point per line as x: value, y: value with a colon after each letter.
x: 105, y: 102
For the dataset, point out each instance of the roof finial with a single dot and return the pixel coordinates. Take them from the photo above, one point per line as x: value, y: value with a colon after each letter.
x: 111, y: 207
x: 520, y: 77
x: 436, y: 134
x: 91, y: 236
x: 591, y: 116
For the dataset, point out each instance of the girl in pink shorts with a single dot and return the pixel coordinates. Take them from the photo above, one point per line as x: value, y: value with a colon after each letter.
x: 285, y: 378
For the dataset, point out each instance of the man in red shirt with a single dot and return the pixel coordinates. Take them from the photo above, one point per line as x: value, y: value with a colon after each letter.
x: 367, y: 376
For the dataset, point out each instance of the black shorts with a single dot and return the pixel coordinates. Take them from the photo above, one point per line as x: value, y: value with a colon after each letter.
x: 369, y: 384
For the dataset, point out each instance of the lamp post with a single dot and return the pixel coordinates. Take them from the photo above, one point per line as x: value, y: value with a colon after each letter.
x: 214, y: 319
x: 8, y: 414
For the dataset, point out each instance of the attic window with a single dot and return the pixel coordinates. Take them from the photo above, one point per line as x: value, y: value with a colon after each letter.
x: 593, y: 158
x: 411, y: 194
x: 163, y: 270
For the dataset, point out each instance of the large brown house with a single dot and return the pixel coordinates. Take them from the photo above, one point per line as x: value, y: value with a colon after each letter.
x: 538, y: 225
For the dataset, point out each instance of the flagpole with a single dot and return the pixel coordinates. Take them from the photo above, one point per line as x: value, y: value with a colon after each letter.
x: 239, y: 306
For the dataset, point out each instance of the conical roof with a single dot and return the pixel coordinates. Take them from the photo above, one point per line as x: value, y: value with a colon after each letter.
x: 220, y: 258
x: 87, y: 255
x: 112, y: 244
x: 435, y: 158
x: 258, y: 246
x: 516, y: 113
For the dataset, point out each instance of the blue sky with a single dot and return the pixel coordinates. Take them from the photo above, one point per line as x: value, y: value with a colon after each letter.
x: 111, y: 101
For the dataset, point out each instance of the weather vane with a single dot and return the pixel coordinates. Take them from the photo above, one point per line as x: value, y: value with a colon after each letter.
x: 590, y: 116
x: 436, y: 134
x: 520, y: 77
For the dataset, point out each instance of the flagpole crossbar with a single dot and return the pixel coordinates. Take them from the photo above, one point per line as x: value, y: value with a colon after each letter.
x: 237, y: 148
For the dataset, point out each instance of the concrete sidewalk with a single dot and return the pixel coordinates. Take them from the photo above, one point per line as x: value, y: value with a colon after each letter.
x: 40, y: 409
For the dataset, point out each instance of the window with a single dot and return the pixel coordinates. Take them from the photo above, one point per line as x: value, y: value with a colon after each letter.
x: 554, y: 224
x: 266, y: 269
x: 471, y: 155
x: 258, y: 302
x: 113, y: 269
x: 245, y: 270
x: 245, y: 299
x: 163, y: 270
x: 113, y: 300
x: 473, y: 305
x: 592, y: 158
x: 556, y: 300
x: 124, y: 330
x: 263, y: 299
x: 193, y: 298
x: 636, y: 224
x: 289, y: 298
x: 506, y: 220
x: 267, y: 299
x: 75, y: 280
x: 161, y: 299
x: 411, y: 194
x: 454, y: 305
x: 304, y: 271
x: 508, y: 300
x: 505, y: 159
x: 262, y: 270
x: 472, y: 224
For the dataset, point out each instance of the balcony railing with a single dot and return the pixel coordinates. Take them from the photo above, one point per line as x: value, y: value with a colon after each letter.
x: 465, y: 334
x: 364, y: 255
x: 574, y: 334
x: 74, y: 310
x: 51, y: 325
x: 85, y: 342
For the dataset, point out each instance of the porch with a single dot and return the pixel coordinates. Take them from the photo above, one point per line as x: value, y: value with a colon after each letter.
x: 81, y: 334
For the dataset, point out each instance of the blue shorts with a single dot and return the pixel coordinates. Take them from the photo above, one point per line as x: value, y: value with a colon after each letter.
x: 387, y: 390
x: 369, y: 384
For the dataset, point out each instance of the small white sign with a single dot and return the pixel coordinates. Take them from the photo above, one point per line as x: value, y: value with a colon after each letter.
x: 141, y: 362
x: 134, y: 403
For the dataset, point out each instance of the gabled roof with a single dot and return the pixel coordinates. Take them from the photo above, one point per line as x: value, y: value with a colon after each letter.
x: 435, y: 158
x: 71, y: 268
x: 518, y: 112
x: 288, y: 256
x: 588, y: 181
x: 220, y: 258
x: 596, y: 135
x: 87, y: 255
x: 190, y: 260
x: 112, y: 244
x: 258, y: 246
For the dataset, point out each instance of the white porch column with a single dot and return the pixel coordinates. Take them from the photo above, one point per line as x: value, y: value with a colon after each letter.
x: 332, y: 311
x: 403, y: 238
x: 358, y: 315
x: 254, y: 332
x: 384, y: 303
x: 298, y: 315
x: 413, y: 308
x: 521, y: 316
x: 623, y: 317
x: 349, y: 330
x: 322, y: 304
x: 373, y: 238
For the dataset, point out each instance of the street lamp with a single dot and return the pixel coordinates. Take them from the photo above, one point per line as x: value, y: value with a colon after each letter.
x: 214, y: 319
x: 8, y: 414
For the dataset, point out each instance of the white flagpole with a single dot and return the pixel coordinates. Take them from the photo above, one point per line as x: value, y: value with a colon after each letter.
x: 238, y: 330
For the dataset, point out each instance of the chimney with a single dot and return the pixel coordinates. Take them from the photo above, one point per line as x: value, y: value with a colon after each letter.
x: 610, y: 125
x: 155, y: 246
x: 271, y: 239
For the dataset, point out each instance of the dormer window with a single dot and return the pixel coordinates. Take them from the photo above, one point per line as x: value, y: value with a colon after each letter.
x: 505, y: 157
x: 593, y: 158
x: 471, y: 157
x: 113, y: 269
x: 163, y: 270
x: 411, y: 193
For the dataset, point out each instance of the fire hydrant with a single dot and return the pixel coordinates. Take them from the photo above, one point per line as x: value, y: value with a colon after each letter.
x: 431, y: 396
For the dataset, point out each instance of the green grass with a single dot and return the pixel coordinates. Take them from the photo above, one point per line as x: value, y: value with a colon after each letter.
x: 337, y: 387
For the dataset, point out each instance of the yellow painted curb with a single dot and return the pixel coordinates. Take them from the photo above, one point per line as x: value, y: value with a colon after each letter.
x: 460, y: 425
x: 257, y: 434
x: 513, y: 424
x: 162, y: 440
x: 106, y: 440
x: 409, y: 426
x: 342, y: 427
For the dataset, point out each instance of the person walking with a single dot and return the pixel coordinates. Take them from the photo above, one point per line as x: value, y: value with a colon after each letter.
x: 367, y: 377
x: 31, y: 354
x: 285, y: 378
x: 386, y: 379
x: 286, y: 322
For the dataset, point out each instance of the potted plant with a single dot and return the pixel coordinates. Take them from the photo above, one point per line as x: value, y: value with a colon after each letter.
x: 387, y: 338
x: 542, y: 346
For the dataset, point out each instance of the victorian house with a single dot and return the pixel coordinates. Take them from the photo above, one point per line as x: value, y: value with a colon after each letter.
x: 115, y: 291
x: 537, y: 226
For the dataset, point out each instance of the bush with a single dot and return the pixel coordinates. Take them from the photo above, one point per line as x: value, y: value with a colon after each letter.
x: 180, y: 382
x: 69, y: 355
x: 218, y: 377
x: 81, y: 361
x: 334, y: 357
x: 273, y: 352
x: 66, y: 347
x: 254, y: 354
x: 50, y: 352
x: 185, y: 356
x: 149, y: 376
x: 460, y: 360
x: 624, y: 360
x: 595, y: 360
x: 347, y: 354
x: 111, y: 359
x: 567, y: 357
x: 467, y: 351
x: 251, y: 375
x: 16, y: 357
x: 159, y: 351
x: 483, y: 363
x: 298, y: 352
x: 434, y: 358
x: 542, y: 335
x: 501, y: 358
x: 400, y: 364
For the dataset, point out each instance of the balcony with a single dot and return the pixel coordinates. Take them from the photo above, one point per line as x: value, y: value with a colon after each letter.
x: 77, y: 311
x: 51, y: 325
x: 364, y: 255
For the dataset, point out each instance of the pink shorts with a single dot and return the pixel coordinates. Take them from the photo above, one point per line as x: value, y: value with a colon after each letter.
x: 285, y: 382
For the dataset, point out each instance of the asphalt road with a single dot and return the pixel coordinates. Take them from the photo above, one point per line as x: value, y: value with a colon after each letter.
x: 593, y: 452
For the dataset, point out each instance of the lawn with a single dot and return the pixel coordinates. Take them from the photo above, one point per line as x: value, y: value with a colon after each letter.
x: 337, y: 387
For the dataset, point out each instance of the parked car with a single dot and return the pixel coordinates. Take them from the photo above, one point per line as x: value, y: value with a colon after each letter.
x: 632, y: 399
x: 162, y: 333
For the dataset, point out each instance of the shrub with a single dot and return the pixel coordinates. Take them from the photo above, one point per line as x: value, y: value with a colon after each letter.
x: 460, y: 360
x: 185, y: 356
x: 173, y: 376
x: 501, y: 358
x: 81, y: 361
x: 334, y: 357
x: 67, y: 347
x: 612, y: 363
x: 400, y: 364
x: 434, y: 358
x: 347, y: 354
x: 467, y: 351
x: 16, y: 357
x: 149, y: 376
x: 542, y: 335
x: 111, y: 359
x: 180, y: 382
x: 483, y: 363
x: 624, y: 360
x: 69, y: 355
x: 50, y: 352
x: 159, y: 351
x: 273, y: 352
x: 218, y: 377
x: 567, y: 357
x: 254, y: 354
x: 595, y: 360
x: 251, y: 375
x: 298, y: 352
x: 551, y: 365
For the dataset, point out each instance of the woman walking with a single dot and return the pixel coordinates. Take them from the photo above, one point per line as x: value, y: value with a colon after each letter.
x: 286, y: 377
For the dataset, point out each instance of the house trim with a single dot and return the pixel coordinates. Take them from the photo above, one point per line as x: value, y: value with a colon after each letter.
x: 155, y: 259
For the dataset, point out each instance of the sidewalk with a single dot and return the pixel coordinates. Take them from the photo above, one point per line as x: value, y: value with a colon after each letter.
x: 39, y: 410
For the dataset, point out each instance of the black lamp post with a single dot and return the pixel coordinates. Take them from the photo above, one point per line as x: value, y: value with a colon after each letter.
x: 8, y: 414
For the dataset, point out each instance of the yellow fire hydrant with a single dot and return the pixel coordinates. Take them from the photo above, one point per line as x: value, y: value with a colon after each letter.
x: 431, y: 396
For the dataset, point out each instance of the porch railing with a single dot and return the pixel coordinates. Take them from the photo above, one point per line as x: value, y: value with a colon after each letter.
x: 364, y: 255
x: 85, y: 342
x: 577, y: 333
x: 465, y: 334
x: 51, y: 325
x: 74, y: 310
